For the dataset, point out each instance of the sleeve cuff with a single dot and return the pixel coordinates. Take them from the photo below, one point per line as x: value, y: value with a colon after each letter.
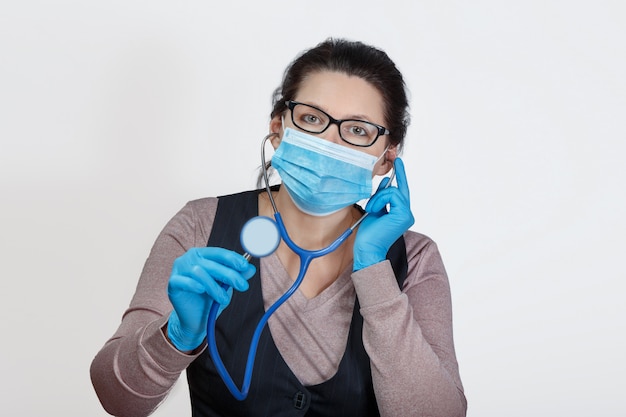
x: 375, y: 284
x: 162, y: 351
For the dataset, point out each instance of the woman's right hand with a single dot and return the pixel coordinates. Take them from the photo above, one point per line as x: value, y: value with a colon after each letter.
x: 195, y: 284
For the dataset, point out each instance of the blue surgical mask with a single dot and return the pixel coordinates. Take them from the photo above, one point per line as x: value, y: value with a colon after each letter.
x: 322, y: 177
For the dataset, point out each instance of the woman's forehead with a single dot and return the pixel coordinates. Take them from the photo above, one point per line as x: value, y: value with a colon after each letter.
x: 341, y: 95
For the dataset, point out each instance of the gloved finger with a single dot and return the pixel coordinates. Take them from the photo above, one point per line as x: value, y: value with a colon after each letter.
x: 389, y: 196
x: 197, y: 283
x: 374, y: 207
x: 206, y: 272
x: 249, y: 271
x: 220, y: 258
x: 379, y: 201
x: 381, y: 186
x: 401, y: 179
x: 229, y: 293
x: 181, y: 283
x: 223, y: 256
x: 196, y: 255
x: 209, y: 272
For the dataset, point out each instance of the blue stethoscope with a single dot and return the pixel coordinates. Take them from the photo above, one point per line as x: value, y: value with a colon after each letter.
x: 260, y: 237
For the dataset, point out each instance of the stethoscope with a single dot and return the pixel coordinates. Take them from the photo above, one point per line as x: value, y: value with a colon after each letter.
x: 260, y: 237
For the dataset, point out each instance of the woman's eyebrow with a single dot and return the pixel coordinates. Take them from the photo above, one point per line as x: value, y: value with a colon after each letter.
x: 353, y: 116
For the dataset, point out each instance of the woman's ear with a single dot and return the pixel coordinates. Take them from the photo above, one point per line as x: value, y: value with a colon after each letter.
x: 387, y: 160
x: 276, y: 127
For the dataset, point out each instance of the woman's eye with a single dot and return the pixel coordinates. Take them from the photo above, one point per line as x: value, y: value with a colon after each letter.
x: 310, y: 119
x: 358, y: 130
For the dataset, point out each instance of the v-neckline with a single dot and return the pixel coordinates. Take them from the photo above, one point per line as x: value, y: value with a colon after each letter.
x: 280, y: 282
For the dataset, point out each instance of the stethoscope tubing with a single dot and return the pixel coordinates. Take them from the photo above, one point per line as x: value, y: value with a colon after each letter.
x: 306, y: 256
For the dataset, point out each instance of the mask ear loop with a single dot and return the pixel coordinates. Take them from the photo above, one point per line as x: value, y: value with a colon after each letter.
x: 384, y: 153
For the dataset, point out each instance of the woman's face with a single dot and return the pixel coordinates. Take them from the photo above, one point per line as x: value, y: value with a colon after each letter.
x: 343, y: 97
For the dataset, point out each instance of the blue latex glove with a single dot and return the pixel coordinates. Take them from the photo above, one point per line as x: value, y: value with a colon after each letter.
x: 381, y: 228
x: 195, y: 284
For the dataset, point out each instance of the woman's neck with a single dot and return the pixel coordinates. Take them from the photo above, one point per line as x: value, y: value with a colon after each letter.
x: 307, y: 231
x: 311, y: 233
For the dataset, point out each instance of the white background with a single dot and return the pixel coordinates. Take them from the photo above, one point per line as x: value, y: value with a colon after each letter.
x: 115, y: 113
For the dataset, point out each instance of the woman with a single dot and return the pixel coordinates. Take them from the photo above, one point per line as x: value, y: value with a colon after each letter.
x: 369, y: 331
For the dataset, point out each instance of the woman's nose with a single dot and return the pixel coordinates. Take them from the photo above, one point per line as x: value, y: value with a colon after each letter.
x: 332, y: 134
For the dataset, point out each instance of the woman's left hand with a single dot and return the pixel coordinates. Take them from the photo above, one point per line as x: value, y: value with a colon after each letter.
x: 381, y: 228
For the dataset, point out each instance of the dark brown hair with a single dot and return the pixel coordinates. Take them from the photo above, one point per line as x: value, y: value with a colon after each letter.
x: 354, y: 59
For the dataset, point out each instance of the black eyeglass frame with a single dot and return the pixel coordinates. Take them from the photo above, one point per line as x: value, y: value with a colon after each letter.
x: 381, y: 130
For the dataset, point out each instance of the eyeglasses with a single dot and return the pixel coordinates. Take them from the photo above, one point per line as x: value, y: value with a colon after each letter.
x: 355, y: 132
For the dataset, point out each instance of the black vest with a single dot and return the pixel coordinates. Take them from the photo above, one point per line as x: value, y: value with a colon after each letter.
x: 274, y: 390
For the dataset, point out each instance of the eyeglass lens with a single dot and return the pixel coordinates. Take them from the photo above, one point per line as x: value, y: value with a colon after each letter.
x: 313, y: 120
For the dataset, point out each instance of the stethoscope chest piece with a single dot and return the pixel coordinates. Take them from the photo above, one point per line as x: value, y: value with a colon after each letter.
x: 260, y: 236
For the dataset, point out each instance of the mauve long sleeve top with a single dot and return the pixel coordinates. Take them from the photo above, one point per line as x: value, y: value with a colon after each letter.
x: 407, y: 332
